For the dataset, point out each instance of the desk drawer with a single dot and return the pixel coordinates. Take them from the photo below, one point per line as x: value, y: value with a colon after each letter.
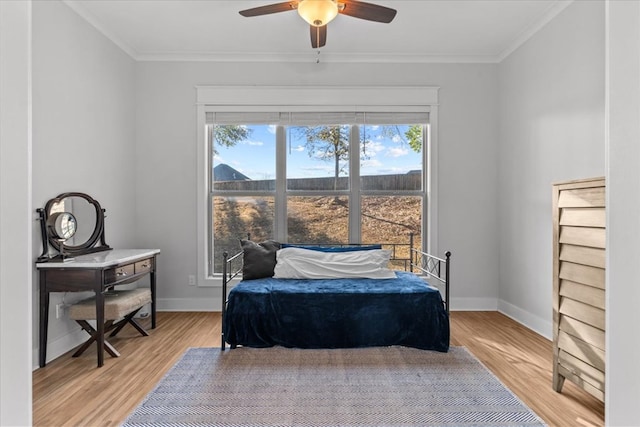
x: 144, y: 266
x: 119, y: 273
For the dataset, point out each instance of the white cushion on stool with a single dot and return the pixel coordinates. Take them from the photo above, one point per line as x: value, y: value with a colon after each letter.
x: 117, y: 304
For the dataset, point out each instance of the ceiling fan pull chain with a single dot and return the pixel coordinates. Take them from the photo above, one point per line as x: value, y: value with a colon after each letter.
x: 318, y: 38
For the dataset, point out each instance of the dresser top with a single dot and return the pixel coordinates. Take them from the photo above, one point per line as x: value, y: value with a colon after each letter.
x: 102, y: 259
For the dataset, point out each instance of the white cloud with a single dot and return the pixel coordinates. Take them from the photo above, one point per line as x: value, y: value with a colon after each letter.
x: 318, y: 155
x: 373, y: 147
x: 371, y: 163
x: 271, y: 129
x: 397, y: 152
x: 254, y: 143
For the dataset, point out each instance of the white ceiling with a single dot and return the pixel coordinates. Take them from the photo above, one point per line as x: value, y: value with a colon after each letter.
x: 423, y: 30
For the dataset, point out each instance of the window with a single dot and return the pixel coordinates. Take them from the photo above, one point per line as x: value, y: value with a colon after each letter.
x: 239, y: 204
x: 327, y: 172
x: 347, y: 178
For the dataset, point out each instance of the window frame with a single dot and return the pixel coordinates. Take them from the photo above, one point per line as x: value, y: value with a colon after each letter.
x: 239, y: 99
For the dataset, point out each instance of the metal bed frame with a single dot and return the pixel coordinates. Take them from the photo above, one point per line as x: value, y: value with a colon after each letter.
x: 427, y: 264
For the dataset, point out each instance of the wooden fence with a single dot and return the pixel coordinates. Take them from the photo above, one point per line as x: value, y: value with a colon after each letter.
x: 400, y: 182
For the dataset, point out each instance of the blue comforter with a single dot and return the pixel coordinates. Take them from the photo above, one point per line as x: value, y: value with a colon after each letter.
x: 337, y: 313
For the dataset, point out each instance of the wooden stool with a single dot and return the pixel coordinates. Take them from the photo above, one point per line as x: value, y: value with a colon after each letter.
x: 118, y: 304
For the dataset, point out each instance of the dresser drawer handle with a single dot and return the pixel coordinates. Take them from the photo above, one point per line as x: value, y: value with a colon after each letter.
x: 121, y: 273
x: 145, y: 265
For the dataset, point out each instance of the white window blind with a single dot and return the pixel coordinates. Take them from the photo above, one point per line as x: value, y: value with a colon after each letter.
x: 317, y: 118
x: 246, y: 118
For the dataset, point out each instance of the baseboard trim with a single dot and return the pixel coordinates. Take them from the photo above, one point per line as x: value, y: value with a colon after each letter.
x: 60, y: 346
x: 473, y: 304
x: 189, y: 304
x: 536, y: 323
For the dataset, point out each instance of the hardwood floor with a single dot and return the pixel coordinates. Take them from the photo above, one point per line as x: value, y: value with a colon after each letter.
x: 73, y: 392
x: 522, y: 360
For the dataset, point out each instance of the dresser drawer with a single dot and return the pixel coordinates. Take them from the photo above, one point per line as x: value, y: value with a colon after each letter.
x: 144, y: 266
x: 119, y: 273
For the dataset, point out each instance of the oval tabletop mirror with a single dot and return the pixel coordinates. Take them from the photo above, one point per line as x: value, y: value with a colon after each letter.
x: 72, y: 224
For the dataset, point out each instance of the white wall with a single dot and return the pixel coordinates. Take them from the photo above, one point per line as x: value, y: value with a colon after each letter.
x: 83, y: 135
x: 551, y: 119
x: 166, y: 163
x: 15, y: 213
x: 623, y: 213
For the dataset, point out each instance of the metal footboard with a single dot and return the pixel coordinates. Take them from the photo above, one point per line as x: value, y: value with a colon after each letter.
x: 229, y: 271
x: 434, y: 267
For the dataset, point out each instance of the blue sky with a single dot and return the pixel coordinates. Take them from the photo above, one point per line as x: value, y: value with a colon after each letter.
x: 256, y: 156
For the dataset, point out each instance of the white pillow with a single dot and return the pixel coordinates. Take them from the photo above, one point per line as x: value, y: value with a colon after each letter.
x: 298, y: 263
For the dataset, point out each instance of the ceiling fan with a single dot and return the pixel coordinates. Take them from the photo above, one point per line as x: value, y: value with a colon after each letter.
x: 318, y: 13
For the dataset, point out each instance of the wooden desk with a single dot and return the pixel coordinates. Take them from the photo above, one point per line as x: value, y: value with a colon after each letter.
x: 96, y: 272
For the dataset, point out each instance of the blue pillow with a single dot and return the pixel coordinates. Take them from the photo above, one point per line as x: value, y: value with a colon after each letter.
x: 333, y: 248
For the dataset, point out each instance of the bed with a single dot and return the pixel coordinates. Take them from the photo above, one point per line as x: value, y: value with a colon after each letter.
x: 301, y: 296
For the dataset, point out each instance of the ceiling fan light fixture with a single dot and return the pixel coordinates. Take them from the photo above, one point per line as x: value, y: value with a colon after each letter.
x: 318, y: 12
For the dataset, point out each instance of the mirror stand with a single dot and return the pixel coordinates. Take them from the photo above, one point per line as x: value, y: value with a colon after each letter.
x: 62, y: 256
x: 58, y: 226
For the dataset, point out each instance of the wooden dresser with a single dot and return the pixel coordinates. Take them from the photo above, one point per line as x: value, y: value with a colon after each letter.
x: 579, y: 285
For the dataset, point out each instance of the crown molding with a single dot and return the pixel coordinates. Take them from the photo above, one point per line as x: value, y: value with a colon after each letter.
x: 313, y: 56
x: 530, y: 31
x: 84, y: 14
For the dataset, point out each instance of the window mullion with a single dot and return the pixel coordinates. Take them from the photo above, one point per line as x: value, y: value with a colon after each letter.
x: 429, y: 213
x: 209, y: 269
x: 280, y: 226
x: 354, y: 185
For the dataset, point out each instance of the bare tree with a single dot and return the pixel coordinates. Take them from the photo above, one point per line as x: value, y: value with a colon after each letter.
x: 327, y: 143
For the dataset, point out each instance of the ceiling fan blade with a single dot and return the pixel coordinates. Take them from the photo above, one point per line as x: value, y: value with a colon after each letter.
x: 270, y: 8
x: 318, y: 36
x: 368, y: 11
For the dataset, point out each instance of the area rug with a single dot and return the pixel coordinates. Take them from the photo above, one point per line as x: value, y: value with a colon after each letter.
x: 380, y: 386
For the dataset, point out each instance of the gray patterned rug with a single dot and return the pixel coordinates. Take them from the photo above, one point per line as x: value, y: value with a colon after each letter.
x: 380, y: 386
